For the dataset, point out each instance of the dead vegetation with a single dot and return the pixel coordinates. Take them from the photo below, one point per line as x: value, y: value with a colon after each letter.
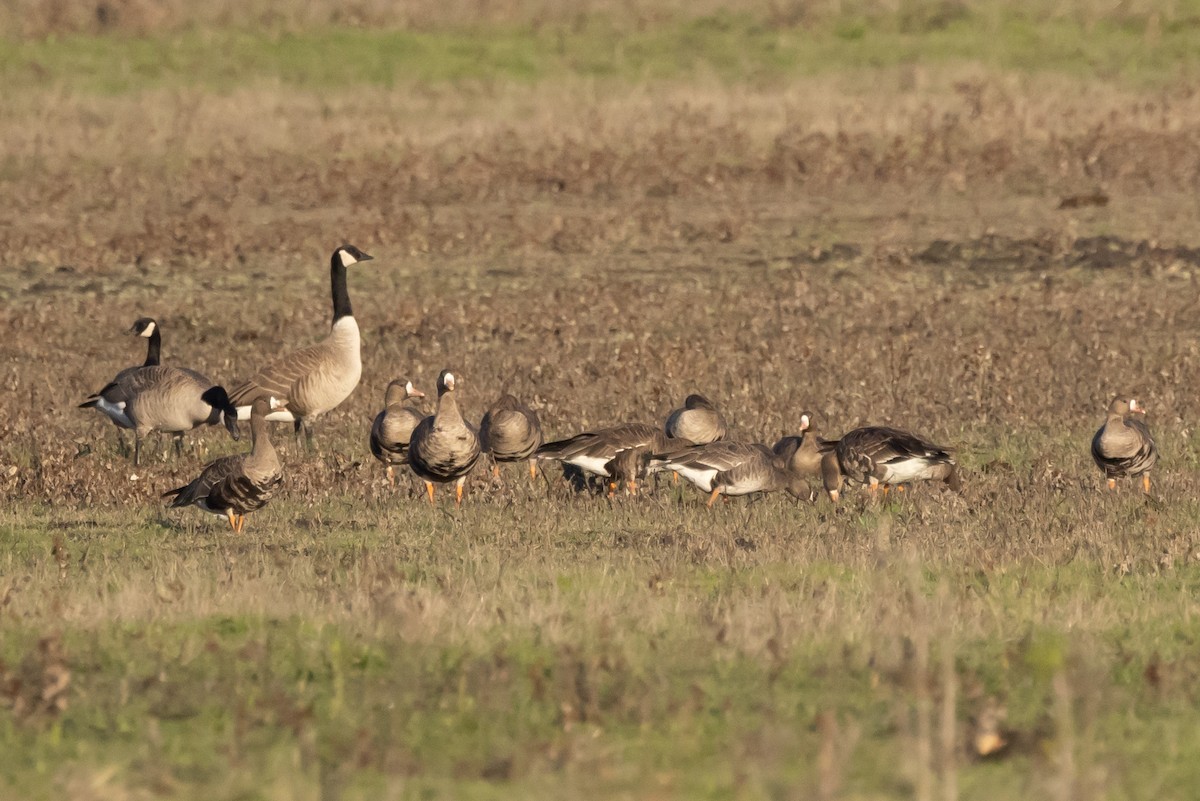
x: 886, y: 258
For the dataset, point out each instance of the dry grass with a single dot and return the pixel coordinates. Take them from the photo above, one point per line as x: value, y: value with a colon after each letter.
x: 887, y: 254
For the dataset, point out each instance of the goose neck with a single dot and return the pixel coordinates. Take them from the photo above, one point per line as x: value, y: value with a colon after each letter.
x: 337, y: 282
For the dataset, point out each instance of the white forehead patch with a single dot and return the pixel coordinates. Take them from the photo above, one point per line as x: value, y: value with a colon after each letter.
x: 149, y: 330
x: 803, y: 422
x: 347, y: 259
x: 408, y: 388
x: 449, y: 380
x: 275, y: 404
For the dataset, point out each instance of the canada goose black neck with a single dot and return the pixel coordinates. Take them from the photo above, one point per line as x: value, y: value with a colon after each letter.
x: 154, y: 349
x: 337, y: 281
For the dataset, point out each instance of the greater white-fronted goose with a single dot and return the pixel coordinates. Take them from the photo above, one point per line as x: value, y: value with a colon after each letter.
x: 876, y: 455
x: 234, y: 486
x: 444, y: 447
x: 1123, y: 445
x: 594, y: 451
x: 698, y: 421
x: 806, y: 450
x: 113, y: 406
x: 393, y: 427
x: 173, y: 400
x: 511, y: 432
x: 734, y: 468
x: 318, y: 378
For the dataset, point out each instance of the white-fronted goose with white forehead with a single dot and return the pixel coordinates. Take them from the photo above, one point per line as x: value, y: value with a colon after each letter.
x: 233, y: 486
x: 876, y: 455
x: 444, y: 447
x: 594, y: 451
x: 698, y: 421
x: 313, y: 380
x: 113, y: 406
x: 393, y: 427
x: 1123, y: 445
x: 736, y: 468
x: 511, y: 432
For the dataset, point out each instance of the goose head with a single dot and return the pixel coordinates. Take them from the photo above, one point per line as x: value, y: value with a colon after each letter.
x: 144, y: 327
x: 348, y: 254
x: 400, y: 389
x: 218, y: 399
x: 445, y: 382
x: 1120, y: 407
x: 697, y: 401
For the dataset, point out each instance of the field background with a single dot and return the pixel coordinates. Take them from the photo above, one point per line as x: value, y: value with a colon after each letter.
x: 974, y: 220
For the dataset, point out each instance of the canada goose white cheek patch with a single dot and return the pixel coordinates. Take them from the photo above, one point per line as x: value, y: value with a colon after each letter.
x: 149, y: 330
x: 347, y: 259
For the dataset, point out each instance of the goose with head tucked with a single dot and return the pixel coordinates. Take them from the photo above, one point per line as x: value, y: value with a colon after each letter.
x: 698, y: 421
x: 444, y: 447
x: 879, y: 455
x: 1123, y: 446
x: 233, y: 486
x: 313, y: 380
x: 511, y: 432
x: 393, y: 427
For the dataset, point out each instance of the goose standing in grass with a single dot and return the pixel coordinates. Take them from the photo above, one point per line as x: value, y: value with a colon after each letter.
x: 594, y: 451
x: 172, y: 400
x: 393, y: 427
x: 1123, y: 445
x: 511, y: 432
x: 113, y: 406
x: 316, y: 379
x: 234, y: 486
x: 736, y: 468
x: 876, y: 455
x: 698, y: 421
x: 444, y: 447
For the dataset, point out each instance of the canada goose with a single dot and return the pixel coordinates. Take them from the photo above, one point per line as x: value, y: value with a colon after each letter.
x: 393, y: 427
x: 168, y: 399
x: 594, y: 451
x: 444, y: 447
x: 234, y: 486
x: 698, y: 421
x: 113, y: 406
x: 1123, y: 445
x: 877, y: 455
x: 734, y: 468
x: 315, y: 379
x: 510, y: 431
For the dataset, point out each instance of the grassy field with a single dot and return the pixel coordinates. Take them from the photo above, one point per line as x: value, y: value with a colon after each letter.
x: 973, y: 221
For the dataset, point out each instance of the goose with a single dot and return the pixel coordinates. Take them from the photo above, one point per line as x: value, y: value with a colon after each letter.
x: 318, y: 378
x: 113, y: 406
x: 173, y: 400
x: 876, y: 455
x: 511, y: 432
x: 444, y: 447
x: 806, y: 450
x: 698, y: 421
x: 727, y: 467
x: 233, y: 486
x: 393, y: 427
x: 594, y: 451
x: 1123, y: 445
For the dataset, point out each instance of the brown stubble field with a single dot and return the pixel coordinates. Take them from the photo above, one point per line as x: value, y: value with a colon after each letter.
x: 886, y: 249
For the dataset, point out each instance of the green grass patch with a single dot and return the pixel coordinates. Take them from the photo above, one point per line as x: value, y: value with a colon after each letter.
x: 731, y: 47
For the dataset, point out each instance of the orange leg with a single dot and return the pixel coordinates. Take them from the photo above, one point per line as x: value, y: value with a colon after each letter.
x: 241, y: 523
x: 632, y: 486
x: 886, y: 489
x: 712, y: 498
x: 674, y: 477
x: 232, y: 519
x: 391, y: 476
x: 1112, y: 483
x: 1146, y: 483
x: 532, y: 469
x: 496, y: 471
x: 458, y: 493
x: 429, y: 490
